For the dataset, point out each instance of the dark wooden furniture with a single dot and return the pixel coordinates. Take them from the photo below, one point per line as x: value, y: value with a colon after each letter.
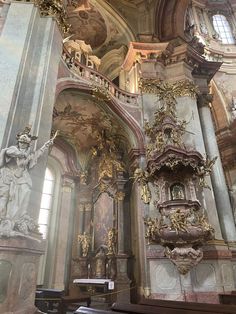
x: 172, y: 307
x: 49, y: 300
x: 163, y: 307
x: 54, y: 301
x: 72, y: 302
x: 228, y: 298
x: 207, y: 307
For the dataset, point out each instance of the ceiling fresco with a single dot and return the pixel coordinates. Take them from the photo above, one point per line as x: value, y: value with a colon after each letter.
x: 88, y: 25
x: 81, y: 121
x: 96, y: 26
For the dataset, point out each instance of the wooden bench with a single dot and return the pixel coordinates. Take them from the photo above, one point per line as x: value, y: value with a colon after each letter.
x: 172, y: 307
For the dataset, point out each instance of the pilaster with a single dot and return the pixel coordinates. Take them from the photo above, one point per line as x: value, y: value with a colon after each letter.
x: 65, y: 221
x: 30, y: 51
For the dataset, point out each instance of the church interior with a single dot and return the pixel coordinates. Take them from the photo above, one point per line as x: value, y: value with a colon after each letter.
x: 117, y: 162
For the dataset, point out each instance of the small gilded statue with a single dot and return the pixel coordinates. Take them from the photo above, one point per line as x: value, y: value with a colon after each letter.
x: 112, y: 241
x: 141, y: 177
x: 85, y: 240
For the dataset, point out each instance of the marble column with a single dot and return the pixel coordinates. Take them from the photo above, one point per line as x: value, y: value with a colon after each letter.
x: 30, y: 52
x: 143, y: 269
x: 63, y: 239
x: 217, y: 176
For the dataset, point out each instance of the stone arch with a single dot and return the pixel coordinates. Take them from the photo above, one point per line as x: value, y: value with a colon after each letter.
x: 127, y: 119
x: 219, y: 108
x: 112, y: 61
x: 170, y: 19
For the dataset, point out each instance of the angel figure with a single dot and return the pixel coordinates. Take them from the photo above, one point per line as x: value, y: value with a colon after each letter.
x: 15, y: 180
x: 204, y: 170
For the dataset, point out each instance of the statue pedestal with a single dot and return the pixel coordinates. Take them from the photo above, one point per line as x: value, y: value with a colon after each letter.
x: 19, y: 261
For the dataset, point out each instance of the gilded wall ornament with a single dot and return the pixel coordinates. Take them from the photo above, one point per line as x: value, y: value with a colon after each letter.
x: 54, y: 8
x: 141, y: 177
x: 120, y: 195
x: 100, y: 93
x: 111, y: 241
x: 165, y: 130
x: 168, y: 91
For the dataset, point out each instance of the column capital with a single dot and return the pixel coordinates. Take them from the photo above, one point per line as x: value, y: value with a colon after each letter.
x: 204, y: 99
x: 67, y: 183
x: 168, y: 89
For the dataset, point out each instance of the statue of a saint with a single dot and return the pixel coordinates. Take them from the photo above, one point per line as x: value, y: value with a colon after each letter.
x: 15, y: 181
x: 100, y: 261
x: 85, y: 240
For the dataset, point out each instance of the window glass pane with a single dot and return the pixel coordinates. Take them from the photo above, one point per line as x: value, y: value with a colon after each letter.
x: 43, y: 216
x: 46, y: 201
x: 49, y: 175
x: 47, y: 187
x: 44, y: 230
x: 223, y: 29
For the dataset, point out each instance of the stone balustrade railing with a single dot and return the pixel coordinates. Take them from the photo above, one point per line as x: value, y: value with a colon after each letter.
x: 92, y: 76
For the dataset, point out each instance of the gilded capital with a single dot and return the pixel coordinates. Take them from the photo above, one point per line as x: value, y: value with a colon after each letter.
x: 54, y: 8
x: 165, y: 90
x: 120, y: 196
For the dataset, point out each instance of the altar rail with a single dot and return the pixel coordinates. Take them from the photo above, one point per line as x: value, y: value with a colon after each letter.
x: 92, y: 76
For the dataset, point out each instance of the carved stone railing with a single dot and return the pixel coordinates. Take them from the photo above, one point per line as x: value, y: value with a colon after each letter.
x: 96, y: 78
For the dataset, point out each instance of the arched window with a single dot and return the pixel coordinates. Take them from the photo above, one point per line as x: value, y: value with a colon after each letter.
x: 223, y: 29
x: 46, y: 202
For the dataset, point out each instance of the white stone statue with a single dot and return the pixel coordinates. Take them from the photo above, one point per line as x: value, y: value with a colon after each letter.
x: 16, y: 183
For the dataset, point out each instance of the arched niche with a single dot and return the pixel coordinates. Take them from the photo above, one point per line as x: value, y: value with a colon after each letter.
x: 101, y: 199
